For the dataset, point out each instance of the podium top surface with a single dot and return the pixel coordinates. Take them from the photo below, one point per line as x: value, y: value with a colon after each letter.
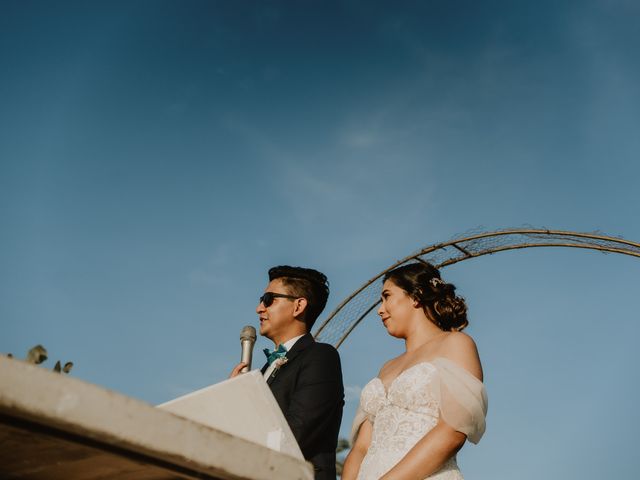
x: 57, y: 427
x: 243, y: 406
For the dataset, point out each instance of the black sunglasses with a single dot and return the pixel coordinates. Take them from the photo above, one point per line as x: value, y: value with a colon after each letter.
x: 268, y: 298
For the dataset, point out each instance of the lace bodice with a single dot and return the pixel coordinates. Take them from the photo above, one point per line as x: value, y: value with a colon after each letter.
x: 403, y: 414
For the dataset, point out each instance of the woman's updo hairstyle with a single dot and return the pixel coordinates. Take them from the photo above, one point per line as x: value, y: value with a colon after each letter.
x: 423, y: 283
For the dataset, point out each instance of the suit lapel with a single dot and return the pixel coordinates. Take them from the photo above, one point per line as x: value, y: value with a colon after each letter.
x: 302, y: 343
x: 297, y: 348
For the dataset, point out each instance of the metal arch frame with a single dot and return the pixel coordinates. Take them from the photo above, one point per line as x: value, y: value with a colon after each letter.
x: 465, y: 248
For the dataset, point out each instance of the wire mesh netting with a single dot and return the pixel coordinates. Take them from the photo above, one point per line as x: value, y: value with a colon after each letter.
x: 341, y: 322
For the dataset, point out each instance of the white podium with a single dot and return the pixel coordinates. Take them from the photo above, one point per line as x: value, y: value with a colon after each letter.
x: 242, y: 406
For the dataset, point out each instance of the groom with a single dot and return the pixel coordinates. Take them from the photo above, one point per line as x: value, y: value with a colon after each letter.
x: 305, y: 377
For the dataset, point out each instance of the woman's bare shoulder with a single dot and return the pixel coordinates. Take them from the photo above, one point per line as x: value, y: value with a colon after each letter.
x: 462, y: 350
x: 459, y: 340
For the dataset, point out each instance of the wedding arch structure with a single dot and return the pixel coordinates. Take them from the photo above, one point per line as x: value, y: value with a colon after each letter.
x: 353, y: 309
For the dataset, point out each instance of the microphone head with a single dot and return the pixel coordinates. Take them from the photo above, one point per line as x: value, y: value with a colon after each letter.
x: 248, y: 333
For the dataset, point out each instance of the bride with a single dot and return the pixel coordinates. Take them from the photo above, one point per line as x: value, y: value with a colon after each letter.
x: 423, y: 405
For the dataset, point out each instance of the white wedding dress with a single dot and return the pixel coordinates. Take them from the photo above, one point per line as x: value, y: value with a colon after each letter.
x: 412, y: 406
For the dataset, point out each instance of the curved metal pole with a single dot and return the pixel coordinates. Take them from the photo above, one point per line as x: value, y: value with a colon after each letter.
x: 465, y: 246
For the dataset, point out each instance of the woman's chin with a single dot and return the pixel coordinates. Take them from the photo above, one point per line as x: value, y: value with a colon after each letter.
x: 391, y: 331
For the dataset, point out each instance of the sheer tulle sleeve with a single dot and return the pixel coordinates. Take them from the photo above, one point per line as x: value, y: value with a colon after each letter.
x: 358, y: 420
x: 463, y: 399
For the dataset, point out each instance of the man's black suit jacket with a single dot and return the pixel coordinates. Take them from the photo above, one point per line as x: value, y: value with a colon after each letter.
x: 309, y: 390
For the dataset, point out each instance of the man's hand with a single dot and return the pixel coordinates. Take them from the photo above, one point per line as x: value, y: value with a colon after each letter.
x: 236, y: 370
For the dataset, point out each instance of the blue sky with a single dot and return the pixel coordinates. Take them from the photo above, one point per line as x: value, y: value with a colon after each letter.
x: 156, y: 158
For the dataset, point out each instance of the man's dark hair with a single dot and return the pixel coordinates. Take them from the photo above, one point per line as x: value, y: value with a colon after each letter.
x: 305, y: 283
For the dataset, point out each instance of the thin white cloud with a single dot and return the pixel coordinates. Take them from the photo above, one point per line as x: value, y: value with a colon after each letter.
x: 209, y: 273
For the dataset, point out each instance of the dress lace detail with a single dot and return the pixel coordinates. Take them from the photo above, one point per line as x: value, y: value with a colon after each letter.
x: 400, y: 417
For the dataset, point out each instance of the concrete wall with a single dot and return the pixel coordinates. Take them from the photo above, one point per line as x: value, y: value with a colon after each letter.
x: 56, y: 427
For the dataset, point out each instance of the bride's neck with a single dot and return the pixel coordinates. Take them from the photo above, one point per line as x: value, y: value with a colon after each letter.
x: 421, y: 337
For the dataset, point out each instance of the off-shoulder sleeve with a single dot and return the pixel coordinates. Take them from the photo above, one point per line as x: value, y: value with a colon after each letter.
x: 358, y: 420
x: 463, y: 399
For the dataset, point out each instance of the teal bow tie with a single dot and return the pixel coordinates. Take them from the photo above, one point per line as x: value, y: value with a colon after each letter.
x: 272, y: 356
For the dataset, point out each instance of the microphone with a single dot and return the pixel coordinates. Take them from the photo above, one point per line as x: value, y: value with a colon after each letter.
x: 247, y: 339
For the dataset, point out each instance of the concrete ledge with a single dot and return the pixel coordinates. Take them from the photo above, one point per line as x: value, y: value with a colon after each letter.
x: 53, y: 426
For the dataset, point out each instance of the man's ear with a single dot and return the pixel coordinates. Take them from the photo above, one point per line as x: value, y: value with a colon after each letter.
x: 299, y: 307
